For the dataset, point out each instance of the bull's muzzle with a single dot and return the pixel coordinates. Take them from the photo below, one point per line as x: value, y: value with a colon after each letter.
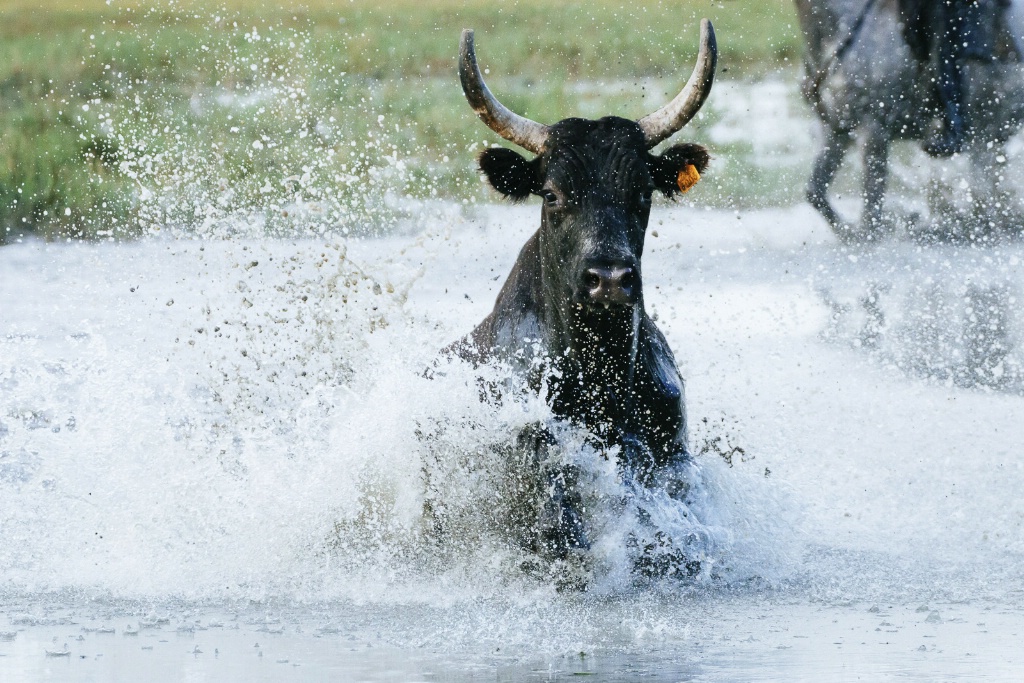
x: 609, y: 284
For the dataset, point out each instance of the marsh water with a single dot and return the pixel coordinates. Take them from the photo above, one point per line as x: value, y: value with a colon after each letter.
x: 212, y: 456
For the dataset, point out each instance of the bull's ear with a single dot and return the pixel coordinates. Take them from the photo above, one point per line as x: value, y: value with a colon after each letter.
x: 679, y: 167
x: 509, y: 173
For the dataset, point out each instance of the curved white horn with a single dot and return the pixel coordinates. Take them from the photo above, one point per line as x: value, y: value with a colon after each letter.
x: 522, y: 131
x: 663, y: 123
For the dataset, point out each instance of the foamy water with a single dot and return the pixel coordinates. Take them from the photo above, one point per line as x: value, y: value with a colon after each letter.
x: 226, y: 432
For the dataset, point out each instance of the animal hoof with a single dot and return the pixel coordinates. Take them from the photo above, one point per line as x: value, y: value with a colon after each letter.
x: 660, y: 558
x: 867, y: 232
x: 848, y: 234
x: 944, y: 144
x: 571, y: 574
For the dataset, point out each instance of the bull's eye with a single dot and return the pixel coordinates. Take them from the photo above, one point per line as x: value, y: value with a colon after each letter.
x: 645, y: 200
x: 549, y: 197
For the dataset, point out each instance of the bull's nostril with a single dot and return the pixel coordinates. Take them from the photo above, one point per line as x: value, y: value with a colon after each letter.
x: 591, y: 280
x: 628, y: 279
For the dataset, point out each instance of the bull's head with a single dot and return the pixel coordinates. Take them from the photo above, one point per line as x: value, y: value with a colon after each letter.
x: 595, y: 178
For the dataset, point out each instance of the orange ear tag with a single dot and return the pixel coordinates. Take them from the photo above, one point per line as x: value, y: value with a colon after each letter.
x: 688, y: 177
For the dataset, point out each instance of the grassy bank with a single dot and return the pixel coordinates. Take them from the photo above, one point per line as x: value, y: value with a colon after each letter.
x: 124, y: 118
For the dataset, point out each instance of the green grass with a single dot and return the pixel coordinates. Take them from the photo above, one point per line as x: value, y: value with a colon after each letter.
x: 124, y: 119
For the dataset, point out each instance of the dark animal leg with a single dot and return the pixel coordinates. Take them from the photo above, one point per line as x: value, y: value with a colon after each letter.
x: 964, y: 34
x: 876, y: 174
x: 990, y: 197
x: 635, y: 461
x: 559, y: 525
x: 825, y: 168
x: 658, y: 555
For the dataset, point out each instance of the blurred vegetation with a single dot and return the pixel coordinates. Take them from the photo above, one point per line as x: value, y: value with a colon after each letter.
x: 124, y: 118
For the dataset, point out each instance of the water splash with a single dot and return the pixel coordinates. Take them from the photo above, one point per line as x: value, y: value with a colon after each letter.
x: 252, y: 419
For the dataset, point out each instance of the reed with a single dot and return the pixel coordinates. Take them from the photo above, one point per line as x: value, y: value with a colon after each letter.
x: 122, y: 118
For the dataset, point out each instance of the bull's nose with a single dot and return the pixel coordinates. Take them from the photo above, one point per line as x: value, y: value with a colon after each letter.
x: 611, y: 285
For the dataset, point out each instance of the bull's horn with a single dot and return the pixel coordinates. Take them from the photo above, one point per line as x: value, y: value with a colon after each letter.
x: 522, y: 131
x: 677, y: 113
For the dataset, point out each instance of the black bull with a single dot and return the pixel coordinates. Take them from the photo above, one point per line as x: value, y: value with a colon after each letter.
x: 864, y: 79
x: 574, y: 298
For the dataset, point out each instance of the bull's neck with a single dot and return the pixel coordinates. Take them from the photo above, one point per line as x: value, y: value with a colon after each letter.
x: 591, y: 354
x: 602, y: 346
x: 593, y: 363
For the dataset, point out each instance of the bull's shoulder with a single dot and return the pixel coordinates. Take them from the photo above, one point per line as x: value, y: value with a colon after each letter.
x: 656, y: 357
x: 469, y: 348
x: 513, y: 326
x: 659, y: 392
